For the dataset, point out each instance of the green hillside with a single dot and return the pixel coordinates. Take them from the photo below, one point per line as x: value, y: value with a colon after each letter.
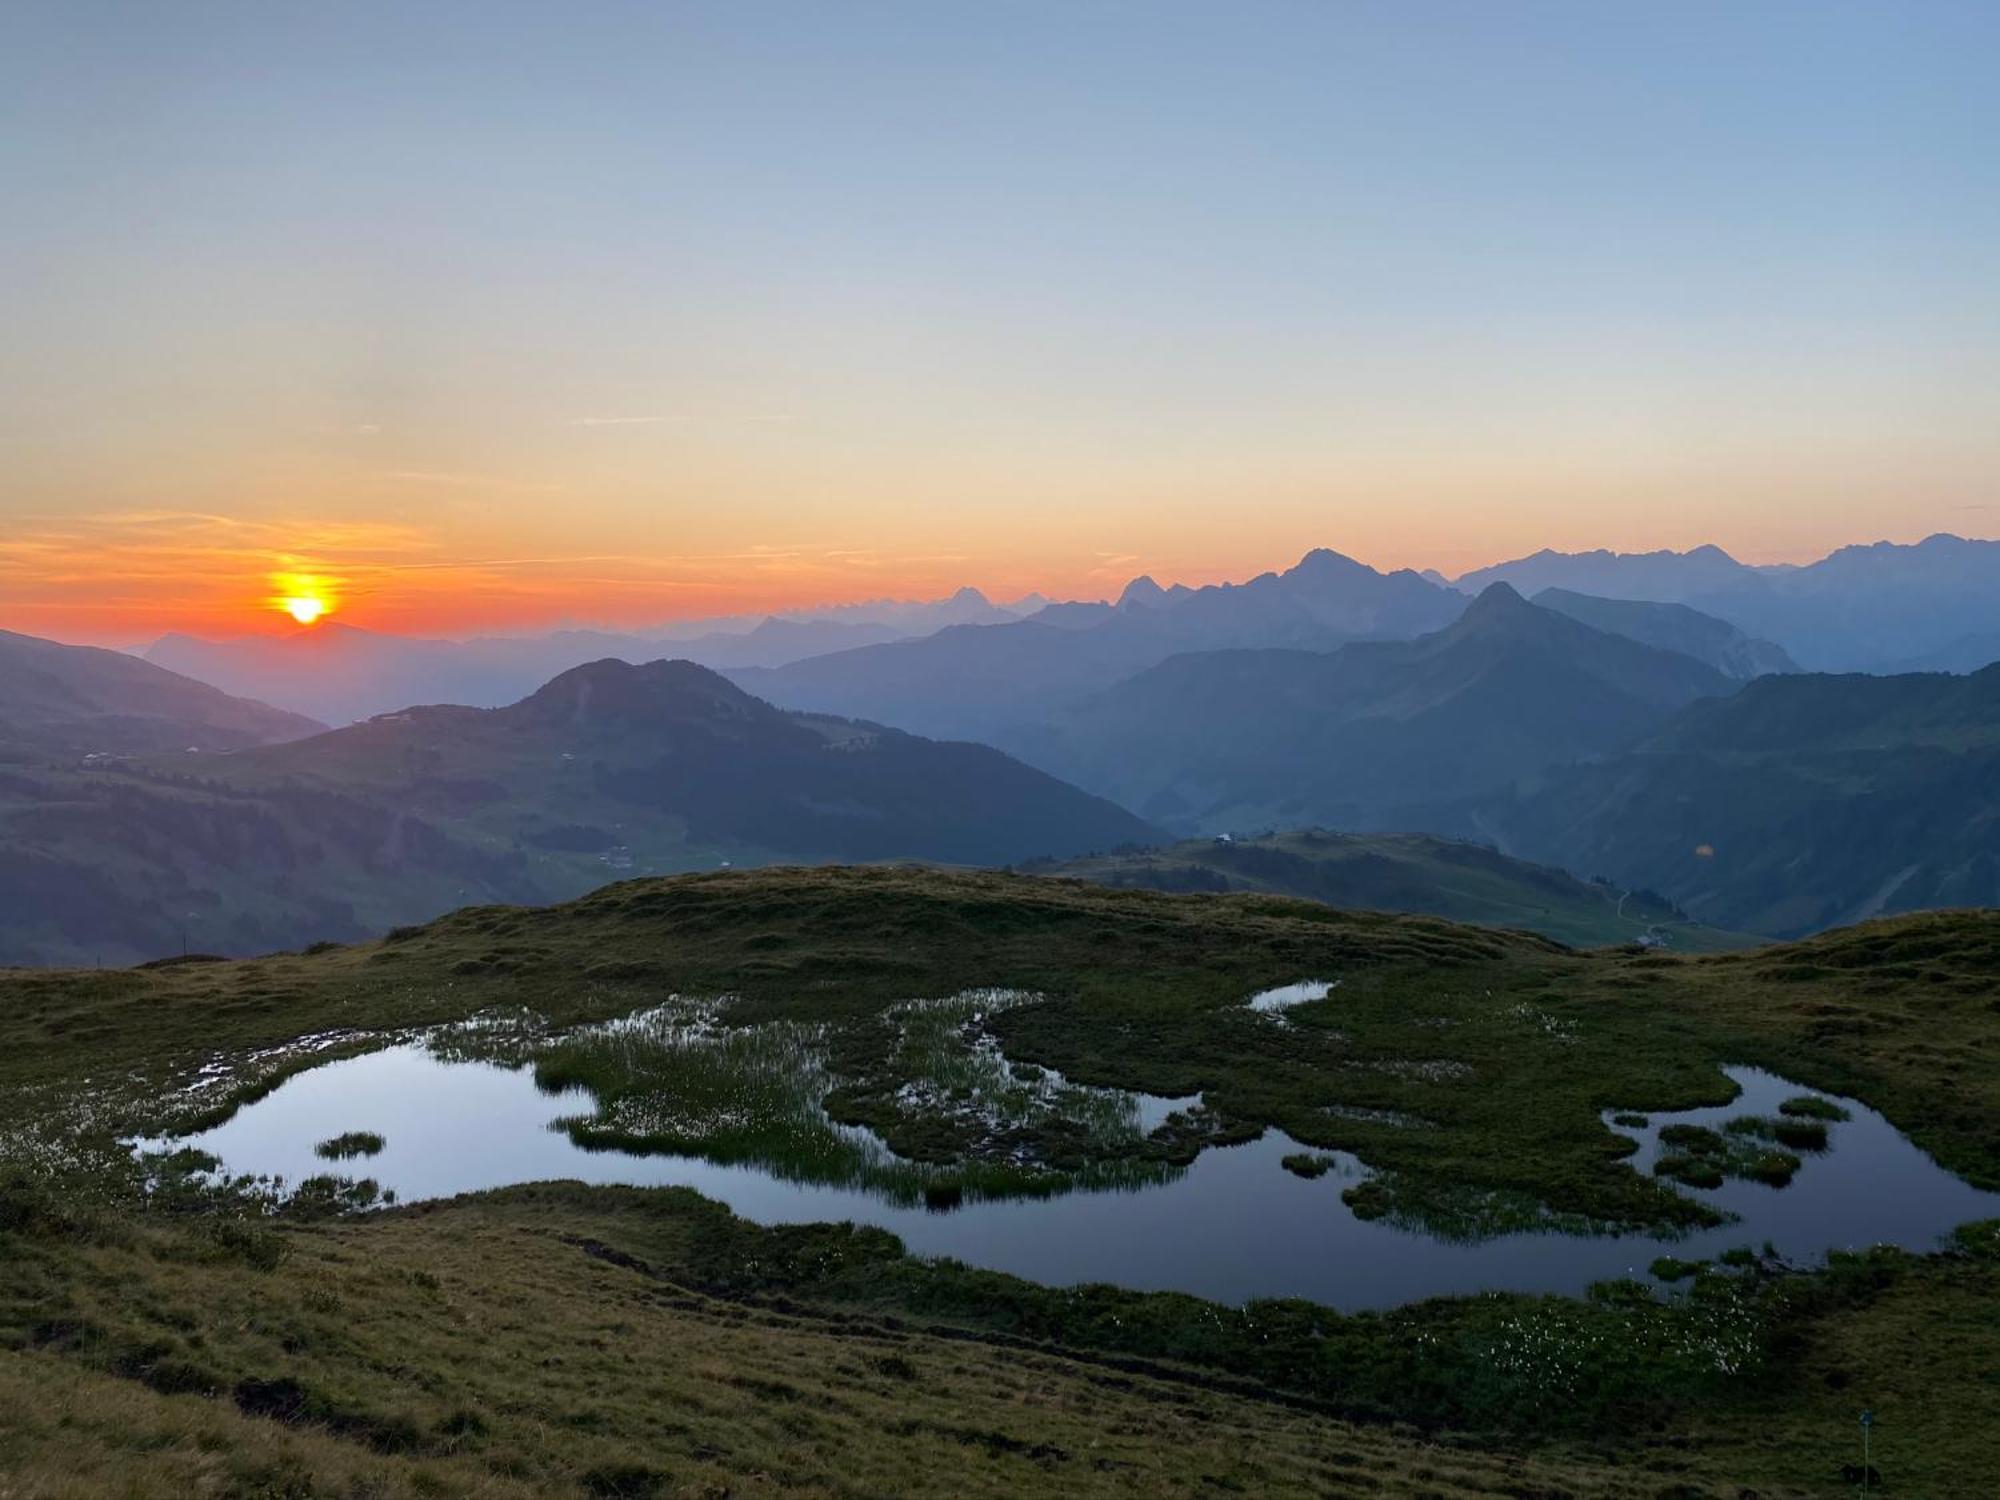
x: 1406, y: 872
x: 1366, y: 736
x: 607, y: 770
x: 1801, y: 803
x: 160, y: 1334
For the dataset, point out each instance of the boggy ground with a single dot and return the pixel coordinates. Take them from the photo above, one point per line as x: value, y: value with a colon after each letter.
x: 163, y: 1339
x: 1468, y: 1067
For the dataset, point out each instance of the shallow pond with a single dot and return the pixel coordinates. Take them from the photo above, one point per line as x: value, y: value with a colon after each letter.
x: 1232, y: 1226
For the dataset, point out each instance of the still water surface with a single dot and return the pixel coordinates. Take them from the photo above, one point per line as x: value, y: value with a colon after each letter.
x: 1235, y: 1225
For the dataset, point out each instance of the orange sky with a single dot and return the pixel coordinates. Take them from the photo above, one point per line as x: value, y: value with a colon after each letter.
x: 125, y: 577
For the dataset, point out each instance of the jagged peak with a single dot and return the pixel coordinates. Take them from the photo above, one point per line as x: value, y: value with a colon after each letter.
x: 1322, y: 562
x: 1498, y: 601
x: 1141, y: 590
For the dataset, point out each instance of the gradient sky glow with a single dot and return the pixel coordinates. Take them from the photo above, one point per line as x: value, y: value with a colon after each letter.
x: 505, y: 314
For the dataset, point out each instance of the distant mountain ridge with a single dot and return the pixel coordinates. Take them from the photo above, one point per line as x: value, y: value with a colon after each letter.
x: 1403, y: 872
x: 1362, y: 736
x: 338, y: 673
x: 993, y: 681
x: 1861, y: 608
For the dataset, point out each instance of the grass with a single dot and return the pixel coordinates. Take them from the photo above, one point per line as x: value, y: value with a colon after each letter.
x: 1701, y: 1157
x: 350, y: 1144
x: 1797, y: 1134
x: 1811, y: 1107
x: 566, y: 1334
x: 521, y: 1342
x: 1507, y: 1046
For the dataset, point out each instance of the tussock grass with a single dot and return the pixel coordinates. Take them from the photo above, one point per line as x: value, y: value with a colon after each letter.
x: 350, y: 1144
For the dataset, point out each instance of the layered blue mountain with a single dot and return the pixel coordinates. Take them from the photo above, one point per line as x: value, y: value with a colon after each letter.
x: 1369, y: 735
x: 1875, y: 608
x: 999, y: 681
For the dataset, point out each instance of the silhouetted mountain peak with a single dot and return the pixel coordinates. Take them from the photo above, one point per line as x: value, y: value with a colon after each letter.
x: 1498, y: 604
x: 1323, y: 564
x: 971, y: 595
x: 1141, y: 591
x: 658, y: 693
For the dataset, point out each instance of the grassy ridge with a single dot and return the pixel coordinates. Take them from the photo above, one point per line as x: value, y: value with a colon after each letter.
x: 1406, y: 872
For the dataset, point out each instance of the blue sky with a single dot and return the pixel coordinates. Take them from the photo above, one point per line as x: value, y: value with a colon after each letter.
x: 1018, y: 293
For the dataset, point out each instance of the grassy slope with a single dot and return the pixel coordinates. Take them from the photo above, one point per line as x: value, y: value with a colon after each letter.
x: 1406, y: 872
x: 1883, y: 1013
x: 503, y: 1346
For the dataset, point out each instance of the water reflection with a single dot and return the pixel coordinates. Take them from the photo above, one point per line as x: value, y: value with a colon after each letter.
x: 1233, y: 1226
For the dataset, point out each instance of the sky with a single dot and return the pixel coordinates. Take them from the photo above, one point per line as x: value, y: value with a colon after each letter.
x: 496, y: 315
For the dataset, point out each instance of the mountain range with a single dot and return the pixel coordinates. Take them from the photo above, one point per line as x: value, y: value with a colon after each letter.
x: 1870, y: 608
x: 1644, y: 720
x: 1369, y: 735
x: 340, y: 674
x: 607, y: 769
x: 1800, y: 803
x: 998, y: 680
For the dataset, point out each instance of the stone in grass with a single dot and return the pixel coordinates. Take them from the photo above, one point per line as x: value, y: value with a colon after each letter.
x: 351, y: 1144
x: 1308, y: 1164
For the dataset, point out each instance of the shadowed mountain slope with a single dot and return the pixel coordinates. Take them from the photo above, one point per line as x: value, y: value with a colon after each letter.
x: 1802, y: 802
x: 1404, y: 872
x: 71, y: 701
x: 1674, y: 627
x: 1366, y: 736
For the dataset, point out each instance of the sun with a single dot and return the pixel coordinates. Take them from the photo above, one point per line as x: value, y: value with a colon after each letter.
x: 307, y: 597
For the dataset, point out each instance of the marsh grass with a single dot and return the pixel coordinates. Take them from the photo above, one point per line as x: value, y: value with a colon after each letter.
x: 350, y: 1144
x: 1812, y: 1107
x: 1700, y: 1157
x: 677, y: 1081
x: 1797, y: 1134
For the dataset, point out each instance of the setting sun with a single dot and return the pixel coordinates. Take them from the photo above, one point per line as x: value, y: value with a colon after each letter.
x: 307, y: 597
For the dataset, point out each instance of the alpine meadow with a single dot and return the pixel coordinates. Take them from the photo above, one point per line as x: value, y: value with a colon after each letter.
x: 869, y: 750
